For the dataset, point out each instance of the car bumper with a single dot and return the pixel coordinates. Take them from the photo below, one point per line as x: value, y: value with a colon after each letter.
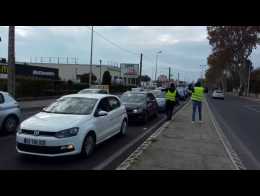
x: 135, y: 116
x: 53, y: 147
x: 218, y: 97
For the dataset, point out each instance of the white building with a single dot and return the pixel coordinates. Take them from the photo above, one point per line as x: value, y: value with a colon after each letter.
x: 74, y: 71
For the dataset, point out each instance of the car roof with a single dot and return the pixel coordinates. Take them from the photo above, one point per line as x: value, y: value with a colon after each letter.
x: 137, y: 92
x: 93, y: 96
x: 96, y: 89
x: 5, y: 93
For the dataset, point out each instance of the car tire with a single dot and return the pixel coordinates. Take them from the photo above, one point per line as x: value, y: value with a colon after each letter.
x: 88, y: 146
x: 10, y: 124
x: 145, y: 118
x: 123, y: 128
x: 156, y: 114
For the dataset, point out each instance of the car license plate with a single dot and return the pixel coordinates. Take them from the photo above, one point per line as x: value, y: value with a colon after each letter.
x: 34, y: 142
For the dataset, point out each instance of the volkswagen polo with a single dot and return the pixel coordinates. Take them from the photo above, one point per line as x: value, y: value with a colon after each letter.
x: 74, y: 124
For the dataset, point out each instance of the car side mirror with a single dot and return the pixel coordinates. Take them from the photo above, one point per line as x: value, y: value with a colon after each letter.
x: 101, y: 113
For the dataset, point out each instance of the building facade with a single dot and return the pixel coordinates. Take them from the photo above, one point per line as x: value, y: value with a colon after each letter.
x: 24, y: 70
x: 73, y: 72
x: 129, y: 74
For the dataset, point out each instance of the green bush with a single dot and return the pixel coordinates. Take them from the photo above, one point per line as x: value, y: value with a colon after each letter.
x: 26, y: 87
x: 3, y: 85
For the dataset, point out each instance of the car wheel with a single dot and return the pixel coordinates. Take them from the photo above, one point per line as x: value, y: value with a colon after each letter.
x: 123, y: 129
x: 145, y: 119
x: 156, y: 113
x: 88, y: 146
x: 10, y: 124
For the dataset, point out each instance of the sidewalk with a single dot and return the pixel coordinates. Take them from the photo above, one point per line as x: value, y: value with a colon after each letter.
x: 183, y: 146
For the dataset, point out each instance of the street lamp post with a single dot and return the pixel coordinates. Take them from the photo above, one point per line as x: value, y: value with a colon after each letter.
x: 156, y: 64
x: 100, y: 79
x: 91, y: 54
x: 202, y: 71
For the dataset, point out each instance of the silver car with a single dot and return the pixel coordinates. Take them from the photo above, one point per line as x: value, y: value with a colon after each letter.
x: 10, y: 113
x: 160, y: 98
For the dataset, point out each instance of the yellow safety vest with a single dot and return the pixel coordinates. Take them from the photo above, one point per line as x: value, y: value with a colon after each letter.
x: 198, y: 93
x: 170, y: 96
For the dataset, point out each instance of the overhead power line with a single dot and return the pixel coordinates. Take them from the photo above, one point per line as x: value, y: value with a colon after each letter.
x: 115, y: 44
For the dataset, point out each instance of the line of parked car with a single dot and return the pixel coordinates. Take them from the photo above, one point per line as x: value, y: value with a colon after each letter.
x: 75, y: 124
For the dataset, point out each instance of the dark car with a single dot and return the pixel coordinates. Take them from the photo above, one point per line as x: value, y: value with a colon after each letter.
x: 140, y: 106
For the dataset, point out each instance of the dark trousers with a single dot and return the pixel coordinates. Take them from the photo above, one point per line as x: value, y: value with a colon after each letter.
x: 169, y: 109
x: 195, y: 105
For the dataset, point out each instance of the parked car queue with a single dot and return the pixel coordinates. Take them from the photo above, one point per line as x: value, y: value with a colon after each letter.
x: 75, y: 124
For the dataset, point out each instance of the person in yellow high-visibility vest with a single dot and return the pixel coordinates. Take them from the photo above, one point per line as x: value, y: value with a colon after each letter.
x: 197, y: 97
x: 171, y: 96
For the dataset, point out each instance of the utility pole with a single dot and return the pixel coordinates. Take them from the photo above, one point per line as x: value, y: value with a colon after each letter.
x: 156, y: 64
x: 11, y: 61
x: 169, y: 73
x: 100, y: 79
x: 141, y: 67
x: 91, y: 54
x: 178, y: 78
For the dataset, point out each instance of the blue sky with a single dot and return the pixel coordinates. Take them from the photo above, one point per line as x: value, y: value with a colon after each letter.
x: 184, y: 48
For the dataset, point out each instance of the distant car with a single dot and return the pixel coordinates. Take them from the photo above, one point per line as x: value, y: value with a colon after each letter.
x: 93, y: 91
x: 182, y: 94
x: 10, y: 113
x: 140, y: 106
x: 218, y: 94
x: 137, y: 89
x: 74, y: 124
x: 160, y: 98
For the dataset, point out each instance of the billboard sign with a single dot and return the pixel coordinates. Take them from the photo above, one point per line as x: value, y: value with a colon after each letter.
x: 129, y: 69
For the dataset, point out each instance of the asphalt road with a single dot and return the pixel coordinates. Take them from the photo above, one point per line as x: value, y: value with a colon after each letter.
x: 240, y: 120
x: 108, y: 155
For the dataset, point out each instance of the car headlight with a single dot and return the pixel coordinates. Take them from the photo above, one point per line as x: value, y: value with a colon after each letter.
x: 67, y: 133
x: 137, y: 110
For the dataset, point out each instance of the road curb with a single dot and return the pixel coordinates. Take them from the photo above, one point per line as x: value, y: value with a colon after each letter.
x: 228, y: 147
x: 139, y: 151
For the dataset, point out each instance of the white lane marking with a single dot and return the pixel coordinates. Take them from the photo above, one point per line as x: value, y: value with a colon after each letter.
x: 125, y: 148
x: 132, y: 157
x: 231, y: 153
x: 252, y: 108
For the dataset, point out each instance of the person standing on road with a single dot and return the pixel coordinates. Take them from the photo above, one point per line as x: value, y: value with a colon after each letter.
x: 171, y: 96
x: 197, y: 97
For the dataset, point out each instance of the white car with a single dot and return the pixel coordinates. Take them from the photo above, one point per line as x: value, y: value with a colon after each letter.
x: 93, y: 91
x: 10, y: 113
x: 74, y: 124
x: 218, y: 94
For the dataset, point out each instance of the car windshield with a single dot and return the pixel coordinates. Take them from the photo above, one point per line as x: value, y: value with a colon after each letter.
x: 133, y: 98
x: 158, y: 94
x: 89, y: 91
x: 72, y: 105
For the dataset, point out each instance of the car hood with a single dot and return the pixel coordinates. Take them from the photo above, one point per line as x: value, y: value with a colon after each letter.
x: 133, y: 105
x: 53, y: 122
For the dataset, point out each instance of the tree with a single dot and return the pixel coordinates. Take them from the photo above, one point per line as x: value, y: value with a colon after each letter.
x: 85, y: 78
x: 231, y: 49
x: 106, y: 80
x: 145, y: 78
